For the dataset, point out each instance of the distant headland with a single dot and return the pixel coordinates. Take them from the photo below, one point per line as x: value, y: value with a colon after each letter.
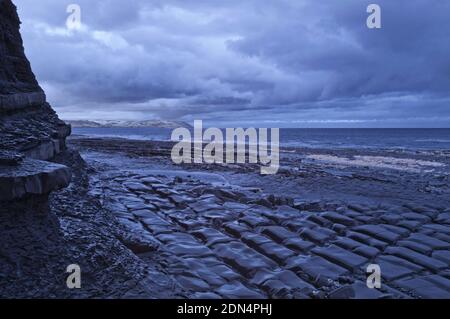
x: 122, y: 123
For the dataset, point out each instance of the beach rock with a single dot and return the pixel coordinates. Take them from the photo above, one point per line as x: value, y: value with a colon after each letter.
x: 395, y: 267
x: 242, y: 258
x: 280, y: 200
x: 192, y: 283
x: 379, y: 232
x: 341, y: 257
x: 278, y: 233
x: 139, y: 243
x: 426, y: 287
x: 32, y: 177
x: 417, y: 258
x: 276, y: 252
x: 314, y: 206
x: 339, y: 218
x: 346, y: 292
x: 299, y: 245
x: 316, y: 236
x: 317, y: 268
x: 236, y: 290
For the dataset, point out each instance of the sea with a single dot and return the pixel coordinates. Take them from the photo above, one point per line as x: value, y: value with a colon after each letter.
x: 408, y: 139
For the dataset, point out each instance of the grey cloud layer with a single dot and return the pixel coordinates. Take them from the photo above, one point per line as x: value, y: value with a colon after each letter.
x: 286, y: 61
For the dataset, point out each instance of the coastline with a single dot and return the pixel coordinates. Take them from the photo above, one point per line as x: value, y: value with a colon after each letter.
x: 141, y: 227
x: 306, y: 232
x: 100, y: 209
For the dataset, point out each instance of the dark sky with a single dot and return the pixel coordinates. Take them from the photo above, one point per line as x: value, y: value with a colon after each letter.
x: 284, y: 63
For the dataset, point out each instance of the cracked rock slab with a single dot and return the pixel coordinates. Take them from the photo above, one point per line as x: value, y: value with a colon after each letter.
x: 32, y: 177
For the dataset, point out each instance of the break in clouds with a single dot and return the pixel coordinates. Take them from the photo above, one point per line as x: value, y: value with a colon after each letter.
x: 281, y: 63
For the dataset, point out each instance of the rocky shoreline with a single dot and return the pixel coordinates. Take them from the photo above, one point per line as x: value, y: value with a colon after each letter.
x: 139, y: 226
x: 142, y: 227
x: 224, y: 231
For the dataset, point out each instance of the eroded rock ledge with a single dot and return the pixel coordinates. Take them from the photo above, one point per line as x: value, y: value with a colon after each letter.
x: 31, y: 177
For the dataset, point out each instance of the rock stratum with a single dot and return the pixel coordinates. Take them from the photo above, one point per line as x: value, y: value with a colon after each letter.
x: 30, y: 131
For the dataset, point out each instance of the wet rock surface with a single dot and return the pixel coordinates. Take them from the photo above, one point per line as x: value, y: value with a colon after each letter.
x: 41, y: 236
x: 32, y: 177
x: 216, y: 238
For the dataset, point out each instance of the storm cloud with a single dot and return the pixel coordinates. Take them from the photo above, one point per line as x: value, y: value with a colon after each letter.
x: 274, y: 63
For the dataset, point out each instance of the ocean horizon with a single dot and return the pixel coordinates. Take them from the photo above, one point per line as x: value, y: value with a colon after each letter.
x: 380, y: 138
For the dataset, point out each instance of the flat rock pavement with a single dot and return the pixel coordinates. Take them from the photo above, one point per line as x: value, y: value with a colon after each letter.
x: 222, y: 241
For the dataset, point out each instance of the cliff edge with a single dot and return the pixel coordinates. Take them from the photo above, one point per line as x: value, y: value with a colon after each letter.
x: 30, y: 131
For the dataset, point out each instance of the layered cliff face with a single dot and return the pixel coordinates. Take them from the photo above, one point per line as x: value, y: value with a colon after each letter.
x: 30, y: 131
x: 42, y: 231
x: 15, y: 72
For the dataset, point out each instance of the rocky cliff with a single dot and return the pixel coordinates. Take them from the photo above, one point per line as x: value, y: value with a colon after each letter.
x: 30, y: 131
x: 45, y: 223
